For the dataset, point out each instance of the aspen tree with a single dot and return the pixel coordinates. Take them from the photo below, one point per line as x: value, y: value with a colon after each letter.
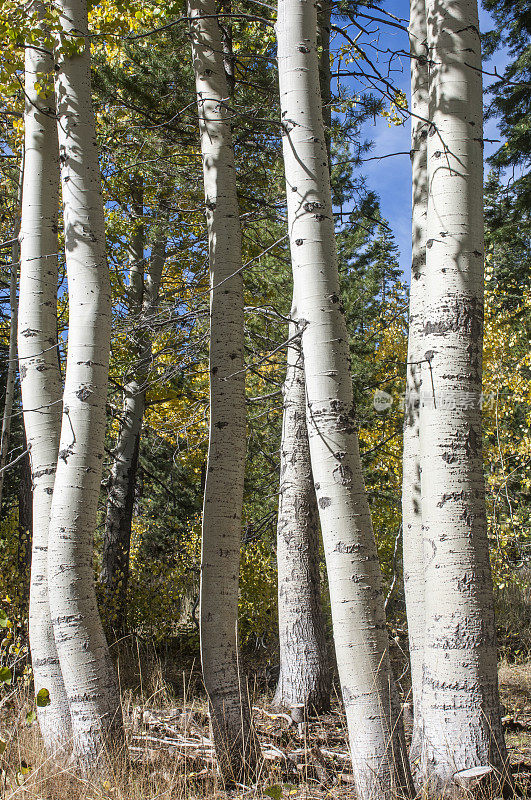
x: 223, y: 500
x: 461, y: 725
x: 143, y: 296
x: 25, y: 525
x: 305, y: 677
x: 5, y: 432
x: 87, y: 669
x: 411, y: 475
x: 40, y: 374
x: 376, y: 739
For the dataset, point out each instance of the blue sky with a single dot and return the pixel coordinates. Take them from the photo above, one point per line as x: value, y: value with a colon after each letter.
x: 391, y: 178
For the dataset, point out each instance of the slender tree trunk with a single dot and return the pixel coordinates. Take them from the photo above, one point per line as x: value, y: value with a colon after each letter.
x: 225, y: 7
x: 230, y: 712
x: 304, y: 670
x: 460, y: 707
x: 40, y: 378
x: 86, y: 665
x: 411, y: 477
x: 5, y: 433
x: 143, y: 302
x: 117, y: 536
x: 25, y: 526
x: 376, y: 737
x: 305, y: 676
x: 114, y: 574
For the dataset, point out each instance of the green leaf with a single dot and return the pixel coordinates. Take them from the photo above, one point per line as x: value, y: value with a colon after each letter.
x: 43, y: 698
x: 274, y: 791
x: 31, y: 716
x: 5, y: 675
x: 4, y: 620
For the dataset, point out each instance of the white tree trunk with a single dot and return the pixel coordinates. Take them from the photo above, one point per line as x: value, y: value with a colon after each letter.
x: 235, y: 747
x: 375, y: 732
x: 143, y: 303
x: 5, y: 433
x: 40, y: 375
x: 305, y: 676
x: 411, y: 476
x: 460, y: 706
x: 305, y: 673
x: 86, y: 665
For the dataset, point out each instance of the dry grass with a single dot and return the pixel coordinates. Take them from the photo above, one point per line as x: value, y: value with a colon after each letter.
x: 309, y: 761
x: 515, y: 689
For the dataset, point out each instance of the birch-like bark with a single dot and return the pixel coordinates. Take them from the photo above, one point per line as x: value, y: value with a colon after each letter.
x: 229, y: 60
x: 86, y: 665
x: 230, y: 712
x: 411, y: 476
x: 117, y: 535
x: 40, y: 377
x: 5, y: 433
x: 324, y: 21
x: 460, y: 707
x: 143, y: 302
x: 376, y: 738
x: 305, y: 676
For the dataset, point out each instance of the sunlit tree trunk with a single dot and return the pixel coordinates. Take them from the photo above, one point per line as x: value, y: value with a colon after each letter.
x: 143, y: 294
x: 376, y: 738
x: 461, y: 725
x: 411, y: 476
x: 40, y: 376
x: 86, y: 665
x: 230, y: 713
x: 305, y: 676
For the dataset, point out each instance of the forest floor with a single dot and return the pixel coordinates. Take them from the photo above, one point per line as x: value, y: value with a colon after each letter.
x: 515, y: 688
x: 171, y: 755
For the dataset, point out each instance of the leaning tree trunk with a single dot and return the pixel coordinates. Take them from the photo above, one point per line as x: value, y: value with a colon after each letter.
x: 117, y: 535
x: 411, y: 475
x: 86, y: 665
x: 302, y: 680
x: 230, y: 712
x: 5, y: 432
x: 143, y: 302
x: 40, y: 377
x: 371, y: 704
x: 461, y: 725
x: 305, y: 677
